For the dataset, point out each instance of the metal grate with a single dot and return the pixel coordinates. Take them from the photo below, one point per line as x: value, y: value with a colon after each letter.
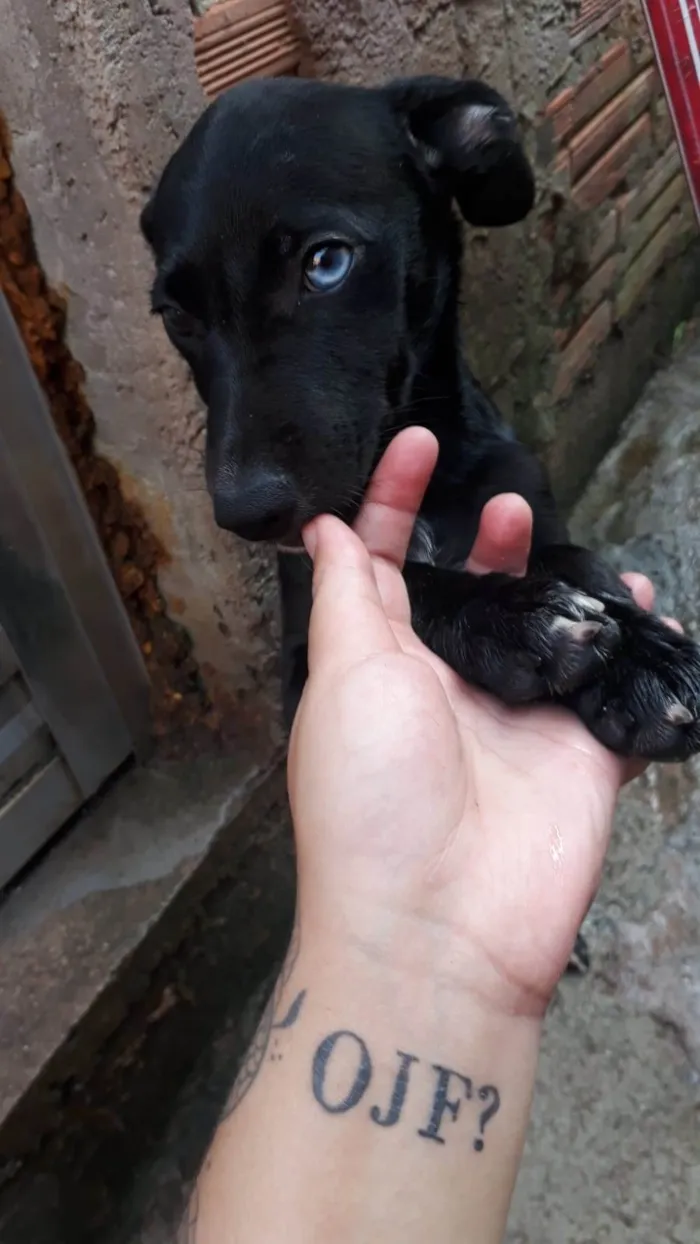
x: 73, y: 691
x: 37, y: 792
x: 675, y: 32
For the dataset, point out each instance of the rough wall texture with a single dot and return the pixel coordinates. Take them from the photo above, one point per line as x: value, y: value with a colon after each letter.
x: 96, y: 97
x: 134, y: 554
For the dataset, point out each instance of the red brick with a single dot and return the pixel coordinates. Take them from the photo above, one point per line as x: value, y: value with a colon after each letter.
x: 604, y: 177
x: 613, y: 120
x: 241, y: 39
x: 574, y: 105
x: 234, y: 12
x: 645, y: 266
x: 579, y: 354
x: 562, y: 166
x: 646, y: 225
x: 604, y: 239
x: 595, y: 16
x: 609, y: 75
x: 631, y: 205
x: 599, y: 285
x: 560, y: 114
x: 664, y: 130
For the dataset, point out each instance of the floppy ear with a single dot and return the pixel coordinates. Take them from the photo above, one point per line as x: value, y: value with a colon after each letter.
x: 466, y: 136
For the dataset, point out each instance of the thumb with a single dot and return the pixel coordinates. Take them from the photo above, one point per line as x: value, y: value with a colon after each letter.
x: 348, y: 621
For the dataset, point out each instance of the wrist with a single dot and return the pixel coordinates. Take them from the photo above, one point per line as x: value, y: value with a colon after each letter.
x: 381, y: 1107
x: 407, y: 950
x: 410, y: 1006
x: 415, y: 1059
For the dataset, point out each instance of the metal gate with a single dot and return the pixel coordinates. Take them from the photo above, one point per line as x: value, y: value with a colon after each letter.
x: 675, y: 34
x: 73, y: 688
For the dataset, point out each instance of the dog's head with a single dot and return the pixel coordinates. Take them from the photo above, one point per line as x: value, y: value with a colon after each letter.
x: 306, y: 253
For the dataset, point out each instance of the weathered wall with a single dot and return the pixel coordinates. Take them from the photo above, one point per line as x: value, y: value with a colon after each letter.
x: 135, y: 556
x: 96, y: 97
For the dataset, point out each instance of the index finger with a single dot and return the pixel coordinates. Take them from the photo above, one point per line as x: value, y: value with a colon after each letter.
x: 395, y: 492
x: 348, y: 620
x: 388, y: 514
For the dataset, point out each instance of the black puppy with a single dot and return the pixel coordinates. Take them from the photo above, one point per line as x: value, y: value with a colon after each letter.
x: 308, y: 266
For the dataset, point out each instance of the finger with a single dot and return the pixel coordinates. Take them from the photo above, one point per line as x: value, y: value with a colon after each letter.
x: 641, y: 588
x: 395, y: 493
x: 348, y: 622
x: 504, y: 538
x: 643, y: 591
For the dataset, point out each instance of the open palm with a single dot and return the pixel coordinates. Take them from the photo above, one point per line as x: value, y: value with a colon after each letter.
x: 447, y: 817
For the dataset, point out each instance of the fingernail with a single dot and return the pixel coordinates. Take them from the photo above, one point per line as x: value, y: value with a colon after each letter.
x: 309, y: 537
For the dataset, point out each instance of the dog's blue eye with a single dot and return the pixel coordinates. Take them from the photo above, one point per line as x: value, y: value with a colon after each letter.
x: 327, y: 266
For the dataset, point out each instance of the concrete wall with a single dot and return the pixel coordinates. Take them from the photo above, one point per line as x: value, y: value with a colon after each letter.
x: 563, y: 316
x: 96, y: 96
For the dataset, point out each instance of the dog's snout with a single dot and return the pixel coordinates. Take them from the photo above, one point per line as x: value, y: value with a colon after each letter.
x: 259, y: 506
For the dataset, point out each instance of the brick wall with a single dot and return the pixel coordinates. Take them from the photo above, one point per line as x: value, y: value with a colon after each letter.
x: 608, y: 265
x: 607, y: 138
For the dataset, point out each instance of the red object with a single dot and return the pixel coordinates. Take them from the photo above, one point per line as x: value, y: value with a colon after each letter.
x: 675, y: 31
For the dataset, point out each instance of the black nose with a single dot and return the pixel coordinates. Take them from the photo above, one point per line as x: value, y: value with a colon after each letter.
x: 259, y: 506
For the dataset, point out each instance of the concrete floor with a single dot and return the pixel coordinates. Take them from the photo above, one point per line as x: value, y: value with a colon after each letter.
x: 614, y: 1150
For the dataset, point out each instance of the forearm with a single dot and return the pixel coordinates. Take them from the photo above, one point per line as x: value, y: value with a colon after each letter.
x: 373, y: 1108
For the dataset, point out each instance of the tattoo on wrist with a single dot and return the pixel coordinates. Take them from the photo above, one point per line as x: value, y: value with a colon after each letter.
x: 343, y: 1059
x: 449, y: 1088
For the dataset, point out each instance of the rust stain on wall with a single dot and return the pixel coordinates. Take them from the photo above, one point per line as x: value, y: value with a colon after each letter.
x: 134, y: 554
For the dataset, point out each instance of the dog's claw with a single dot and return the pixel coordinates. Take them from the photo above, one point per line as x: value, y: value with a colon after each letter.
x: 588, y: 604
x: 678, y: 715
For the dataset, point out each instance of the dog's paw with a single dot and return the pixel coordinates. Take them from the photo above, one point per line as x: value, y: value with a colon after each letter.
x: 539, y: 639
x: 645, y: 702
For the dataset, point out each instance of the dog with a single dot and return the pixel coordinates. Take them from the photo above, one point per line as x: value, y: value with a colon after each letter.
x: 307, y: 250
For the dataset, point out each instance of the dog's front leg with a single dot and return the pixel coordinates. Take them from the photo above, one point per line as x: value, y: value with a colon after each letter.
x: 525, y: 640
x: 295, y: 576
x: 646, y: 701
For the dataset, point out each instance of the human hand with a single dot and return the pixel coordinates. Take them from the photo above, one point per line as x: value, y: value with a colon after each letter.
x: 437, y: 829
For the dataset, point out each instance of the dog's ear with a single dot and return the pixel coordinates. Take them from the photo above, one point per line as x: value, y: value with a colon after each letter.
x: 467, y: 140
